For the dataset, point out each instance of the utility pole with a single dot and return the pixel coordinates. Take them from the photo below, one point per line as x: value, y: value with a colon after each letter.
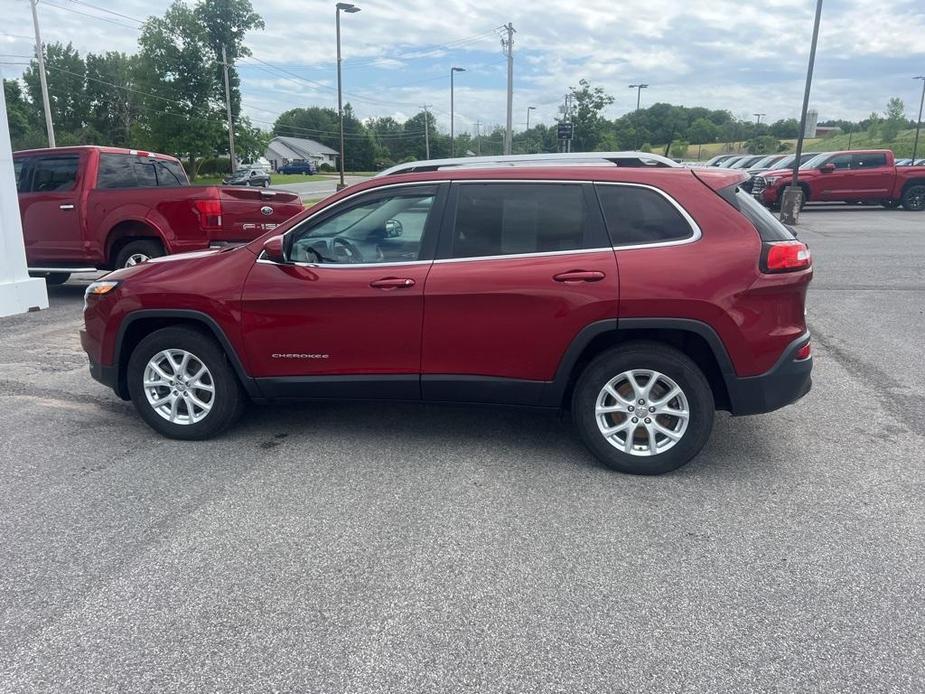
x: 529, y: 108
x: 508, y: 46
x: 40, y: 55
x: 234, y: 162
x: 638, y: 88
x: 453, y: 71
x: 426, y: 132
x: 792, y: 198
x: 918, y: 123
x: 478, y: 137
x: 349, y: 9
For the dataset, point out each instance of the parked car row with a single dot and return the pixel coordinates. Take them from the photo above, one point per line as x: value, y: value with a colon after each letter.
x: 87, y: 208
x: 854, y: 177
x: 909, y: 162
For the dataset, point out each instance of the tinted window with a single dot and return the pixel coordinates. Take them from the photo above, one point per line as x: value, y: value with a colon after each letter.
x: 54, y: 174
x: 840, y: 161
x: 116, y: 171
x: 145, y: 172
x: 19, y: 166
x: 637, y: 215
x: 868, y: 161
x: 512, y: 218
x: 769, y: 227
x: 385, y: 229
x: 171, y: 173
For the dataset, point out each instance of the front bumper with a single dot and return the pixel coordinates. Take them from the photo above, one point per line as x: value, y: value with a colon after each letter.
x: 785, y: 383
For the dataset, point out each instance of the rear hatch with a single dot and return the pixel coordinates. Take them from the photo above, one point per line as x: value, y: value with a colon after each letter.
x: 249, y: 212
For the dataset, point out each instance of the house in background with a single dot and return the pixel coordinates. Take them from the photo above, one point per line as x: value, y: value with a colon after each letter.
x: 283, y: 150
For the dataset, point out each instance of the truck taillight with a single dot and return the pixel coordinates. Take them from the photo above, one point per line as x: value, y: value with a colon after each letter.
x: 785, y: 256
x: 210, y: 213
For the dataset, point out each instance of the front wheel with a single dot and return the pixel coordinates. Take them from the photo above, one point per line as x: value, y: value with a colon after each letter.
x: 643, y: 408
x: 182, y: 385
x: 914, y: 197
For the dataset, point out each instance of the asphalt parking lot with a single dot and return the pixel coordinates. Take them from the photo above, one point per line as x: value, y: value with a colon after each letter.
x: 372, y: 548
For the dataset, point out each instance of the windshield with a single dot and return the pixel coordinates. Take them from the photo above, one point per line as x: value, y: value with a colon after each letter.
x: 766, y: 162
x: 816, y: 161
x: 785, y: 163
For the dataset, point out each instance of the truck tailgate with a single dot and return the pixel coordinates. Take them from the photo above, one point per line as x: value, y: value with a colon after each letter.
x: 249, y: 212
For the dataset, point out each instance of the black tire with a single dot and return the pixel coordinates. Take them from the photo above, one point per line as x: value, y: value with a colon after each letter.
x: 228, y: 399
x: 671, y: 363
x: 914, y: 197
x: 134, y: 249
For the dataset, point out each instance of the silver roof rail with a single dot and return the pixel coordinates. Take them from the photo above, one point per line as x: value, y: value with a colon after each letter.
x: 627, y: 159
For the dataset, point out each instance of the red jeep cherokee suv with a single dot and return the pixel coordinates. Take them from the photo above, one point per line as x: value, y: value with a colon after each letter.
x: 642, y: 299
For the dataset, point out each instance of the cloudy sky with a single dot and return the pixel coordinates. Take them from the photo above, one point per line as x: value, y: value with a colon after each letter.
x: 746, y: 57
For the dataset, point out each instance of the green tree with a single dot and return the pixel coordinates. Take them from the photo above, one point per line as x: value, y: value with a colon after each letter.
x: 702, y: 131
x: 763, y: 144
x: 895, y: 119
x: 587, y: 105
x: 785, y: 128
x: 679, y: 149
x: 113, y: 103
x: 26, y: 130
x: 66, y: 74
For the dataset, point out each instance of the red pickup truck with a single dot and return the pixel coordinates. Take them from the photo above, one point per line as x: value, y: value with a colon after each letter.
x: 854, y: 177
x: 87, y: 208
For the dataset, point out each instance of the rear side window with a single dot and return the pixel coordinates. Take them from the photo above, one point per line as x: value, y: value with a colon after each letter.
x: 769, y: 227
x: 129, y: 171
x: 116, y: 172
x: 868, y: 161
x: 515, y: 218
x: 636, y: 215
x: 55, y: 174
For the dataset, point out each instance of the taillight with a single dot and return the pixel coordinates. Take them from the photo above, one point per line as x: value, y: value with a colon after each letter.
x: 210, y: 212
x: 805, y: 352
x: 785, y: 256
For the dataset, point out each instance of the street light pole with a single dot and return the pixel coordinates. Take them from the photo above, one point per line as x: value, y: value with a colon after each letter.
x: 40, y: 55
x: 453, y: 71
x: 529, y: 108
x: 793, y: 195
x: 758, y: 117
x: 918, y: 123
x: 349, y: 9
x: 638, y: 88
x: 426, y: 132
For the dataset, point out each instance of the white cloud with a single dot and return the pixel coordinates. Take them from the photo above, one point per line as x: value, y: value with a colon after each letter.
x: 720, y: 53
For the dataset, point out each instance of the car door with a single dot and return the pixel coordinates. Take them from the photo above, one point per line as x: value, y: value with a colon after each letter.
x: 836, y: 184
x: 342, y: 316
x: 49, y: 207
x: 871, y: 177
x: 521, y: 269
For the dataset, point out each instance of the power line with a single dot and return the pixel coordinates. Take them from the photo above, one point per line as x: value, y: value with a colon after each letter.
x: 92, y: 16
x: 112, y: 12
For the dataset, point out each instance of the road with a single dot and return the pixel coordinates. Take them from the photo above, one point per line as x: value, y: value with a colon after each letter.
x: 317, y: 187
x: 403, y: 548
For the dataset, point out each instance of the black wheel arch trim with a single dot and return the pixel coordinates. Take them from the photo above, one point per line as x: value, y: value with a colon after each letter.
x: 249, y: 384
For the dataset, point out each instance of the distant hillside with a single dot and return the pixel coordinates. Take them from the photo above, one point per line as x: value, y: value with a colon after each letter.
x: 901, y: 146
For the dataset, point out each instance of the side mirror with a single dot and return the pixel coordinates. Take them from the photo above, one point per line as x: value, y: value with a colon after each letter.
x: 827, y: 168
x: 273, y: 249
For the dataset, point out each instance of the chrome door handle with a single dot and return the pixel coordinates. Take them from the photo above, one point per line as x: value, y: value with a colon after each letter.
x: 392, y: 283
x: 66, y: 207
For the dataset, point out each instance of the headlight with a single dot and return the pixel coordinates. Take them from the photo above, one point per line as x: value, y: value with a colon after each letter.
x: 99, y: 288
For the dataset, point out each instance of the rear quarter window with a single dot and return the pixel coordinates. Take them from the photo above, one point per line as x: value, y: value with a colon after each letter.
x: 769, y: 227
x: 636, y: 215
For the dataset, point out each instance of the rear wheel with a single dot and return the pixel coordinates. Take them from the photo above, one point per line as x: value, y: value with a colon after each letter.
x: 914, y: 197
x: 643, y: 408
x: 182, y: 385
x: 136, y: 252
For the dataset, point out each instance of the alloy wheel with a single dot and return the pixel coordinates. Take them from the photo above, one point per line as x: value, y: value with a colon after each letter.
x: 642, y: 412
x: 179, y: 386
x: 135, y: 259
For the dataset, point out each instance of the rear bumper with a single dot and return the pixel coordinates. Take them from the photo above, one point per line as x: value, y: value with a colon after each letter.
x: 788, y: 381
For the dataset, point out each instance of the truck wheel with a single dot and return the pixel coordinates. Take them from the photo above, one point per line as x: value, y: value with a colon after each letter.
x: 914, y: 197
x: 182, y: 385
x: 643, y: 408
x: 136, y: 252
